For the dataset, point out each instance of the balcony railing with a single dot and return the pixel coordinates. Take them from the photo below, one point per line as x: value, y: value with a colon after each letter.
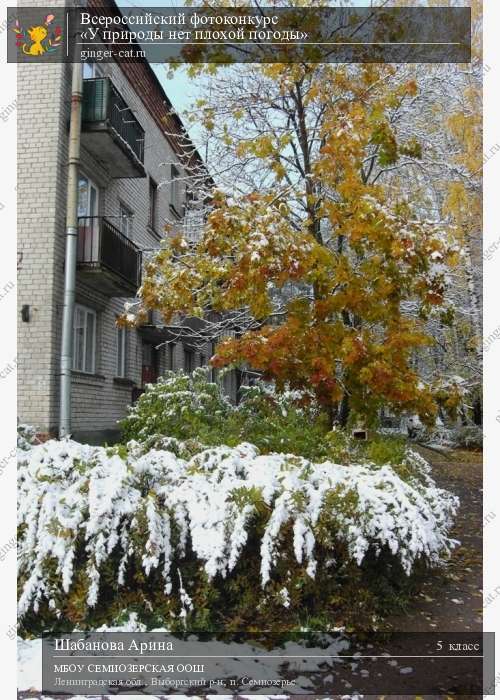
x: 111, y: 261
x: 193, y: 224
x: 110, y: 130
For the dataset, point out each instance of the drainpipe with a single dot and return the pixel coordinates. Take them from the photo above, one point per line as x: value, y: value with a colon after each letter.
x: 71, y: 247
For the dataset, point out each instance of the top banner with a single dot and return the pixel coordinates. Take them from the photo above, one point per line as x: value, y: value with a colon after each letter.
x: 239, y: 35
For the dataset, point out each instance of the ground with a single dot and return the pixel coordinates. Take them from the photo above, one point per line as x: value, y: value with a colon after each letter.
x: 451, y: 598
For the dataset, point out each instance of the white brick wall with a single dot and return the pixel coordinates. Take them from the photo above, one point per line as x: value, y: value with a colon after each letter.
x: 43, y: 117
x: 40, y: 189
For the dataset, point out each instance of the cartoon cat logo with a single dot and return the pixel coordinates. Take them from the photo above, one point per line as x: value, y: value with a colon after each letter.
x: 38, y: 40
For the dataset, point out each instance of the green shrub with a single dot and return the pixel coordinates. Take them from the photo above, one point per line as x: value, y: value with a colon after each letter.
x: 178, y: 405
x: 384, y: 449
x: 190, y: 407
x: 279, y: 423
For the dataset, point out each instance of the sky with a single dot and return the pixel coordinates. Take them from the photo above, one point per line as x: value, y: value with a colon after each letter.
x: 180, y: 89
x: 176, y: 88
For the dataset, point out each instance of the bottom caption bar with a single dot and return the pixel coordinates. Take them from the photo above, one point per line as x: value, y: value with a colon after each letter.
x: 318, y: 664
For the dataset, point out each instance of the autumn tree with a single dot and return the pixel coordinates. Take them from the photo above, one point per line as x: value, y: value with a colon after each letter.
x: 309, y: 259
x: 446, y: 185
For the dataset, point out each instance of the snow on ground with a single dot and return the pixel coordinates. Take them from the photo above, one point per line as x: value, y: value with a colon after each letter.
x: 29, y: 664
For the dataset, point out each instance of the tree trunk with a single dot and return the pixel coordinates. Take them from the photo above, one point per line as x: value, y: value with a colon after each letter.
x: 344, y: 410
x: 332, y: 414
x: 473, y: 296
x: 477, y: 412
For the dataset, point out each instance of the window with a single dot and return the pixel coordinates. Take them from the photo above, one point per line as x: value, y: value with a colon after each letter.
x: 88, y: 197
x: 126, y: 221
x: 153, y: 203
x: 176, y: 191
x: 188, y: 360
x: 171, y: 351
x: 121, y: 352
x: 91, y: 70
x: 84, y: 334
x: 88, y: 223
x: 150, y: 364
x: 203, y: 360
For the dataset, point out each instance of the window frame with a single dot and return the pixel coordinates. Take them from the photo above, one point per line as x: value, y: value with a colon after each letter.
x: 153, y: 204
x: 126, y: 214
x: 176, y: 193
x: 189, y: 366
x: 121, y: 360
x: 171, y: 356
x: 95, y: 70
x: 87, y: 311
x: 91, y: 186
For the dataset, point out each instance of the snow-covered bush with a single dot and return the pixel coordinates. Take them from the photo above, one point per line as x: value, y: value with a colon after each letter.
x: 469, y: 436
x: 178, y: 405
x: 191, y: 407
x: 464, y: 436
x: 217, y: 536
x: 286, y: 421
x: 26, y: 436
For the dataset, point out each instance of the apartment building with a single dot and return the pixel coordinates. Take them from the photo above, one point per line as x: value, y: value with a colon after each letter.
x: 131, y: 183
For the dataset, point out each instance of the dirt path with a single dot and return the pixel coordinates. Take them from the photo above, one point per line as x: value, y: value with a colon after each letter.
x: 451, y: 599
x: 448, y: 599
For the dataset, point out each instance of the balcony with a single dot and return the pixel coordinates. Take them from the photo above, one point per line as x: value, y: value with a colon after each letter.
x: 110, y: 132
x: 106, y: 259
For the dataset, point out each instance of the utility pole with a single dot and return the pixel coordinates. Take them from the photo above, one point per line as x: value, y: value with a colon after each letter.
x: 71, y: 248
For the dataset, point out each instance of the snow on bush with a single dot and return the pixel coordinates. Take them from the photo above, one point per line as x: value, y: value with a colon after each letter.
x: 177, y: 404
x: 151, y: 513
x: 190, y: 406
x: 457, y: 437
x: 26, y: 436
